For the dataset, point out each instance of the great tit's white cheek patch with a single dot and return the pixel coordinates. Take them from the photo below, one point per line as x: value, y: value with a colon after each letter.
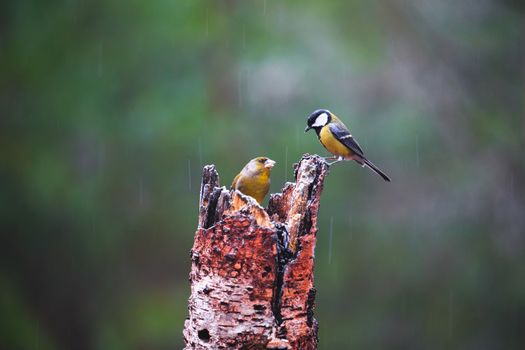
x: 321, y: 120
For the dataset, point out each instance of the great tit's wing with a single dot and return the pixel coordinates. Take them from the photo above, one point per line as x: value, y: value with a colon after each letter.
x: 342, y: 134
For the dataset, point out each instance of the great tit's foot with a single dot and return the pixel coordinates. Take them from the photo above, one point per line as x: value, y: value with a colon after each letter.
x: 326, y: 160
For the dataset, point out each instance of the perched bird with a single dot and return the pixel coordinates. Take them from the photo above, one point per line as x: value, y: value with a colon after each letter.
x: 254, y: 178
x: 336, y: 138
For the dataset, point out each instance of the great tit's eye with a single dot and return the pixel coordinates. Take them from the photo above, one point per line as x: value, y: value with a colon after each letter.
x: 262, y: 160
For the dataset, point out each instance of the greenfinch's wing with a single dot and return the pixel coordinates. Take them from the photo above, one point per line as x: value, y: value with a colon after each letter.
x: 234, y: 183
x: 342, y: 134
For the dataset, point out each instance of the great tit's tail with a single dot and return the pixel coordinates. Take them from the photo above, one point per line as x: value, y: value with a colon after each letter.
x: 374, y: 168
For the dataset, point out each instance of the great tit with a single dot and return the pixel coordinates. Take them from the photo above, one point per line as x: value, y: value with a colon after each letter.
x: 336, y: 138
x: 254, y: 178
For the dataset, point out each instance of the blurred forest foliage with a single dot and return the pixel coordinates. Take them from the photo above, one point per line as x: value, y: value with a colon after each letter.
x: 111, y: 108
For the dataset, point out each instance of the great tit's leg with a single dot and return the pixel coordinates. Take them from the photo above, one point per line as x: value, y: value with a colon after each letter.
x: 337, y: 160
x: 327, y: 159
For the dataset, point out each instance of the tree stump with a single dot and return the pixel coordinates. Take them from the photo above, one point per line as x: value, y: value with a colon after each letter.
x: 252, y: 272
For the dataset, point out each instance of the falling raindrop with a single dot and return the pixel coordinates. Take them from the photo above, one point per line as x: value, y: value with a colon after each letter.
x: 297, y: 139
x: 141, y: 191
x: 189, y: 174
x: 239, y: 88
x: 37, y: 340
x: 264, y: 7
x: 286, y: 163
x: 346, y: 81
x: 101, y: 158
x: 99, y: 60
x: 199, y: 149
x: 330, y: 239
x: 417, y: 150
x: 207, y: 21
x: 244, y: 36
x: 350, y: 225
x: 450, y: 309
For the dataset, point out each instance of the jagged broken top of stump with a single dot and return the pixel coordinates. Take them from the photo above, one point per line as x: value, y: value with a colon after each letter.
x: 252, y: 282
x: 286, y: 207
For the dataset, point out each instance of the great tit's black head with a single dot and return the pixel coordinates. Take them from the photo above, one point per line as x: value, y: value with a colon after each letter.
x: 318, y: 119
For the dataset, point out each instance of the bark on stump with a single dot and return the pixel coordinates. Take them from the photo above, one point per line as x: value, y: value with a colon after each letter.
x: 252, y: 273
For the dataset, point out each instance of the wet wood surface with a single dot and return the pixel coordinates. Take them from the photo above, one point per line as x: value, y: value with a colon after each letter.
x: 252, y: 269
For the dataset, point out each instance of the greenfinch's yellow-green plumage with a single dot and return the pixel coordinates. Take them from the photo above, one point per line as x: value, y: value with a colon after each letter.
x: 336, y: 138
x: 254, y: 178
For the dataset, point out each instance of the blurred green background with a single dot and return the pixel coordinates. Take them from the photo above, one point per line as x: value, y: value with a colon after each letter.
x: 109, y: 110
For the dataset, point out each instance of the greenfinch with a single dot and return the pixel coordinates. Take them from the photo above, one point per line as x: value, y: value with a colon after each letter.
x: 254, y: 178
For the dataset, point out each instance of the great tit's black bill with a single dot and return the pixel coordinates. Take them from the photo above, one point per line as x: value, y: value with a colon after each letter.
x: 307, y: 128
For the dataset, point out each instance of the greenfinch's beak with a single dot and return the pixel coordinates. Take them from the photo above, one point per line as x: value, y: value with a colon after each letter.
x: 307, y: 128
x: 269, y: 163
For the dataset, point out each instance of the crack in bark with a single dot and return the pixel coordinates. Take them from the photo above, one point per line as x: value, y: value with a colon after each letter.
x: 283, y: 257
x: 310, y: 306
x: 212, y: 206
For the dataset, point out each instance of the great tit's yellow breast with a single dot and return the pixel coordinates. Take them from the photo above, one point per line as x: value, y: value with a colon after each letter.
x: 332, y: 144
